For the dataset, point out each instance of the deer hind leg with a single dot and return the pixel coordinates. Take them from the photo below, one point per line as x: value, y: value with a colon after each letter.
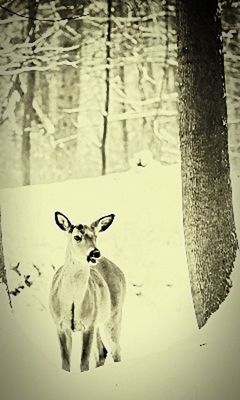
x: 87, y: 344
x: 101, y: 351
x: 65, y: 340
x: 115, y: 346
x: 112, y: 336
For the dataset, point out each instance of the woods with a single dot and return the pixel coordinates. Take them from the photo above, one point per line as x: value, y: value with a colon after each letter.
x: 88, y: 87
x: 68, y: 61
x: 128, y: 108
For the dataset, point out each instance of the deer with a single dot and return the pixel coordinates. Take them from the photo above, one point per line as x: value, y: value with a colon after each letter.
x: 87, y: 295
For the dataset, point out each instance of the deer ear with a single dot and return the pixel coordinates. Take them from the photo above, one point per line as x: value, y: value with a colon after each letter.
x: 103, y: 223
x: 62, y: 221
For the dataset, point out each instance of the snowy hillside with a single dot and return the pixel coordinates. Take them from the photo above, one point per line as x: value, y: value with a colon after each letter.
x: 163, y: 351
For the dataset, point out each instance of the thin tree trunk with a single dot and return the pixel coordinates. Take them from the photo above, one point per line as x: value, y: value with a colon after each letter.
x: 107, y: 85
x: 3, y: 274
x: 210, y: 234
x: 28, y: 100
x: 120, y: 10
x: 124, y: 121
x: 80, y: 144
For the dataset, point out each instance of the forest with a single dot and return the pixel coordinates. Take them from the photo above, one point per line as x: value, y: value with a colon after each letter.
x: 82, y: 96
x: 130, y: 110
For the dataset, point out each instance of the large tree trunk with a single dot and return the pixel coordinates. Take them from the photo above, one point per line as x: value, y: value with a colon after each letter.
x: 209, y: 228
x: 28, y: 100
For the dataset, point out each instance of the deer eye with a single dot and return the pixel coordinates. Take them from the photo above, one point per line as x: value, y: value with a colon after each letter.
x: 77, y: 238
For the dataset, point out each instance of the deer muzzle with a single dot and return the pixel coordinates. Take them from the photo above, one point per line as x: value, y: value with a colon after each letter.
x: 93, y: 255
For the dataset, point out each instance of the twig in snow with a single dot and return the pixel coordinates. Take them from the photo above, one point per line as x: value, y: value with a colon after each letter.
x: 136, y: 284
x: 16, y: 269
x: 38, y: 270
x: 28, y: 283
x: 17, y: 290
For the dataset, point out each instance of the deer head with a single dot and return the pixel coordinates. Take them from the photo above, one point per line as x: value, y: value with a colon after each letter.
x: 82, y: 238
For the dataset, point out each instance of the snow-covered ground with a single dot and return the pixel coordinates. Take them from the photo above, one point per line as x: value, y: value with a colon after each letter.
x: 165, y: 356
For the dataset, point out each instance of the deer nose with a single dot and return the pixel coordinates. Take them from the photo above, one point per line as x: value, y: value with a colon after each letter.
x: 95, y: 253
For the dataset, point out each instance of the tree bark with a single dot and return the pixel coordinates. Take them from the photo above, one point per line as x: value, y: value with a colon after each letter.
x: 107, y: 86
x: 28, y: 100
x: 210, y: 234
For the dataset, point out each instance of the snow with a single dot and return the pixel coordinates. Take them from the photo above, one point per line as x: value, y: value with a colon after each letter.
x: 164, y: 354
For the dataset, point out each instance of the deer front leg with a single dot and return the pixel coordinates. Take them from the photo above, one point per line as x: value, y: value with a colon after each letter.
x: 87, y: 343
x: 65, y: 340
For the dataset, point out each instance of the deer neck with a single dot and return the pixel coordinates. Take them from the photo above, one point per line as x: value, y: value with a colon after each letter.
x: 76, y: 272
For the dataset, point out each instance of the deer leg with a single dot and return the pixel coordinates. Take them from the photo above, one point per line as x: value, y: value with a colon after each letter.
x: 65, y: 340
x: 112, y: 334
x: 115, y: 336
x: 88, y: 338
x: 115, y: 346
x: 101, y: 351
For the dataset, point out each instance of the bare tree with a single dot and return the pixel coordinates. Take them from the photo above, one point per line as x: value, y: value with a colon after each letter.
x: 210, y: 235
x: 120, y: 8
x: 28, y: 98
x: 107, y: 85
